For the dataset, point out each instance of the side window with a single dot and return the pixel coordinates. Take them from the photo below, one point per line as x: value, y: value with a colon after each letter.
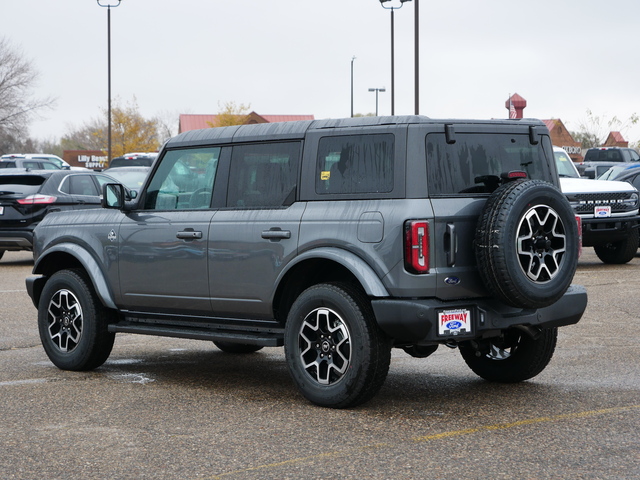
x: 634, y: 156
x: 263, y: 175
x: 81, y: 185
x: 355, y: 164
x: 183, y: 180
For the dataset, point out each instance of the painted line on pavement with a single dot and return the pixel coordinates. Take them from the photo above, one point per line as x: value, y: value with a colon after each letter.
x: 428, y: 438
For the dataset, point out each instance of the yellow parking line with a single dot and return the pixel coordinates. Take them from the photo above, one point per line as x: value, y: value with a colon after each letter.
x: 427, y: 438
x: 531, y: 421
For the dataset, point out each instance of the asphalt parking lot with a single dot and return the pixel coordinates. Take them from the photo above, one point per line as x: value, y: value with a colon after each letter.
x: 163, y: 408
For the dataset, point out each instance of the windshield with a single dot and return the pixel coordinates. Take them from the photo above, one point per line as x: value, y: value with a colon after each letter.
x: 565, y: 165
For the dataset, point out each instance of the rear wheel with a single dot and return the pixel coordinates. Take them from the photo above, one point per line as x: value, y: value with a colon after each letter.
x: 73, y: 323
x: 513, y: 357
x: 619, y: 252
x: 230, y: 347
x: 336, y: 353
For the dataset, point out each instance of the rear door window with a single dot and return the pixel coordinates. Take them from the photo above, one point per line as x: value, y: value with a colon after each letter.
x: 473, y: 163
x: 263, y: 175
x: 355, y: 164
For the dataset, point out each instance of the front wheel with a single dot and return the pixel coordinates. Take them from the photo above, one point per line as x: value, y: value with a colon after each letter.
x: 336, y: 353
x: 73, y: 323
x: 617, y: 253
x: 513, y: 357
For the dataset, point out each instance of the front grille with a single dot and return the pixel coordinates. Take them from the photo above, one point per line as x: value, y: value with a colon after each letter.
x: 588, y: 201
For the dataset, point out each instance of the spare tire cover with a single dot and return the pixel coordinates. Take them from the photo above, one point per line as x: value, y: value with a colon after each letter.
x: 527, y: 244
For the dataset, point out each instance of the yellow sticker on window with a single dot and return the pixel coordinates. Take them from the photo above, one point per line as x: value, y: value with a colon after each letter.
x: 325, y: 175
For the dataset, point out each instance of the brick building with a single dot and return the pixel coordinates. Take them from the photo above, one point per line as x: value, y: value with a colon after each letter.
x: 561, y: 137
x: 615, y: 139
x: 195, y: 122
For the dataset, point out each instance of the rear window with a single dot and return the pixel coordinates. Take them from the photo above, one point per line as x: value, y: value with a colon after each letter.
x: 607, y: 155
x: 7, y: 164
x: 22, y: 184
x: 473, y: 163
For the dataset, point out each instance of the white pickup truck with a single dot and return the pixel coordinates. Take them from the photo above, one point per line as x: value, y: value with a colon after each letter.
x: 608, y: 210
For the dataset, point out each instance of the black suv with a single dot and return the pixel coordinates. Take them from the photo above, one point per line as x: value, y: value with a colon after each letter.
x: 26, y: 196
x: 337, y: 239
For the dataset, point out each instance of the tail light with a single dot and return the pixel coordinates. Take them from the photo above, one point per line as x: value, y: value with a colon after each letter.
x: 37, y: 200
x: 579, y: 222
x: 416, y: 246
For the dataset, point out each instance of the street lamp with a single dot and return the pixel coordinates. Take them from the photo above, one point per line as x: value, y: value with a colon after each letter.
x: 109, y: 6
x: 377, y: 90
x: 402, y: 2
x: 352, y: 59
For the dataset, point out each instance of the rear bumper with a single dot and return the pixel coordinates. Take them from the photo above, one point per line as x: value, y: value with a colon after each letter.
x: 416, y: 320
x: 16, y: 240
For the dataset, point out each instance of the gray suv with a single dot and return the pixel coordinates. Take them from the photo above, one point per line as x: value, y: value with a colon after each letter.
x: 337, y: 239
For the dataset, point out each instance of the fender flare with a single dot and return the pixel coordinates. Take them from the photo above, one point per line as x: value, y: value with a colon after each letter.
x: 90, y: 265
x: 367, y: 277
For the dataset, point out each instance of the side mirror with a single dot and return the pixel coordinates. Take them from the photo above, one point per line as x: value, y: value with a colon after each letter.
x: 113, y: 196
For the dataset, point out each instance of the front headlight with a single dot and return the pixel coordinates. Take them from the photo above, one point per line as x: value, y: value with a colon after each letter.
x: 632, y: 201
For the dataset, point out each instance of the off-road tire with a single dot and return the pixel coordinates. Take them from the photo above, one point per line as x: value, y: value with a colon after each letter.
x: 620, y: 252
x: 512, y: 358
x: 336, y: 353
x: 527, y: 244
x: 73, y: 323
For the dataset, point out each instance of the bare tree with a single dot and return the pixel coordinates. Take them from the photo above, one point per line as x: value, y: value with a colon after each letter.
x: 593, y: 130
x: 17, y: 80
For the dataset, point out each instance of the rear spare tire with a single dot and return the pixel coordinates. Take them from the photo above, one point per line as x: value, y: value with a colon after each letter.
x: 527, y: 244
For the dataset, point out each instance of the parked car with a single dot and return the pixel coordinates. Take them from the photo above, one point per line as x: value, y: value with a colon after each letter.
x: 44, y: 156
x: 131, y: 177
x: 28, y: 163
x: 628, y: 175
x: 598, y: 160
x: 337, y: 239
x: 27, y: 196
x: 134, y: 160
x: 617, y: 171
x: 608, y: 211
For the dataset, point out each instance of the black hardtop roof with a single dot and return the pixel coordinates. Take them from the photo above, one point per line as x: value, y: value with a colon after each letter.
x: 297, y: 129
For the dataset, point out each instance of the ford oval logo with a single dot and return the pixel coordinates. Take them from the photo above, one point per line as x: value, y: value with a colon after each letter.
x: 454, y: 325
x: 452, y: 280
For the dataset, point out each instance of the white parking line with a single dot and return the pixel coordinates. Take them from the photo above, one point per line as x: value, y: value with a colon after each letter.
x: 22, y: 382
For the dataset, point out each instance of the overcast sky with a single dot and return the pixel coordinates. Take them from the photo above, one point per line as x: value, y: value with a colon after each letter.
x: 294, y: 57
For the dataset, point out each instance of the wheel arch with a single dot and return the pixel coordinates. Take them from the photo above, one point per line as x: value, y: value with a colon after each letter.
x: 322, y: 265
x: 69, y: 256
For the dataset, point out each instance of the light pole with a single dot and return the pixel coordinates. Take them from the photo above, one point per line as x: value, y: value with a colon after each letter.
x: 417, y: 56
x: 109, y: 6
x: 377, y: 90
x: 352, y: 59
x: 393, y: 100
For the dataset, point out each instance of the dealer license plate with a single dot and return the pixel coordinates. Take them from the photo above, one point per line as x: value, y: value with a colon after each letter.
x: 454, y: 322
x: 602, y: 212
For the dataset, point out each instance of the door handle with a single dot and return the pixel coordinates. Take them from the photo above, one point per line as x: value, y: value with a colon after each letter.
x: 451, y: 244
x: 275, y: 234
x: 189, y: 234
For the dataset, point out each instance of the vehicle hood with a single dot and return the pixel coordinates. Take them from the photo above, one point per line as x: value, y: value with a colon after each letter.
x: 584, y: 185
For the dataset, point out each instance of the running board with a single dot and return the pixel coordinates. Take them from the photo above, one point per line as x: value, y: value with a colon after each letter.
x: 266, y: 337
